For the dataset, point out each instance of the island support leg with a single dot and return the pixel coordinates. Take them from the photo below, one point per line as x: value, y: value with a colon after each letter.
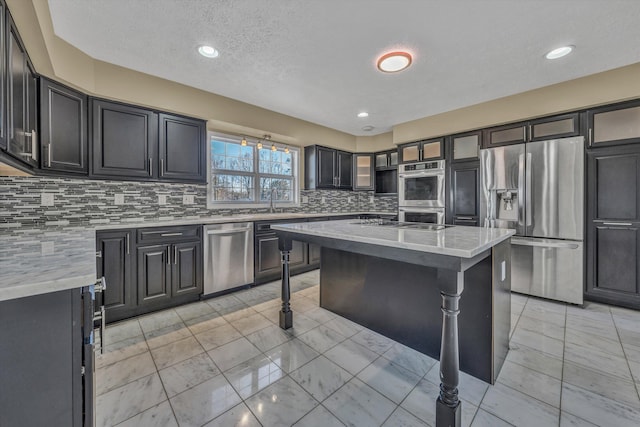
x: 448, y: 410
x: 286, y: 315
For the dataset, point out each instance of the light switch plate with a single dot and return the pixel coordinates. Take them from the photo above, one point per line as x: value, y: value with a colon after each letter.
x: 349, y: 199
x: 371, y: 199
x: 188, y: 199
x: 162, y: 199
x: 46, y: 199
x: 118, y: 199
x: 323, y: 200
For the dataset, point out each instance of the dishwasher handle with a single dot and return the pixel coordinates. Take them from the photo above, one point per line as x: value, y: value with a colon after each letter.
x: 228, y: 232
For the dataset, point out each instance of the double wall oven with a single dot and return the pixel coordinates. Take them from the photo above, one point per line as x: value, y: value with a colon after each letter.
x: 421, y: 192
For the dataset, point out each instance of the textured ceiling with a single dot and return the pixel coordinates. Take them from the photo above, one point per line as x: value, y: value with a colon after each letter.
x: 315, y: 59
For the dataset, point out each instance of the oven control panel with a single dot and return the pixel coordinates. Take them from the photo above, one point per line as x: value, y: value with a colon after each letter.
x: 438, y: 164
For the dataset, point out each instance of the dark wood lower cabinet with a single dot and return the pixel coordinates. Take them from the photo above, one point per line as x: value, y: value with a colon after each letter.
x: 163, y: 271
x: 613, y: 277
x: 268, y: 263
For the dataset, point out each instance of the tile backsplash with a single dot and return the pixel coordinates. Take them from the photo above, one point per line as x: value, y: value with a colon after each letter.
x: 60, y: 201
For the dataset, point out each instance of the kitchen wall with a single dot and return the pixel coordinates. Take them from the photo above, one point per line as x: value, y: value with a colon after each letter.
x: 86, y: 202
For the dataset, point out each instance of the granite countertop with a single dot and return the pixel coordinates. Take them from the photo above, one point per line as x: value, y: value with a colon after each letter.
x: 458, y: 241
x: 46, y: 259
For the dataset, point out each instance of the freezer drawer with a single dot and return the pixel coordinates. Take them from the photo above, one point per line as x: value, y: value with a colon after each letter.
x: 548, y: 268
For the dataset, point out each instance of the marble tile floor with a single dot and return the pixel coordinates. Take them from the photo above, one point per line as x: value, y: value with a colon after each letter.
x: 225, y: 362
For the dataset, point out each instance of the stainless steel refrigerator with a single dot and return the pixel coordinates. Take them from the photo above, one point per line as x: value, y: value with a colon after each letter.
x: 537, y: 189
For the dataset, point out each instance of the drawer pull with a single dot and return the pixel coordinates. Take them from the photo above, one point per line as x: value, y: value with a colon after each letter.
x: 171, y: 234
x: 627, y: 224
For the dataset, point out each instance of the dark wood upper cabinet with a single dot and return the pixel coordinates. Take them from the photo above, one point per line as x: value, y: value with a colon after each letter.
x: 182, y: 149
x: 614, y: 124
x: 432, y: 149
x: 514, y: 133
x: 22, y: 99
x: 124, y: 140
x: 327, y: 168
x: 363, y: 171
x: 63, y: 124
x: 464, y: 146
x: 561, y: 126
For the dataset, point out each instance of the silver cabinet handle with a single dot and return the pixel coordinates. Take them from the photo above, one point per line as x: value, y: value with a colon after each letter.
x: 465, y: 217
x: 590, y: 134
x: 170, y: 234
x: 128, y: 245
x: 161, y: 167
x: 49, y: 155
x: 101, y: 286
x: 168, y: 256
x: 524, y: 133
x: 34, y: 145
x: 175, y: 255
x: 150, y: 166
x: 626, y: 224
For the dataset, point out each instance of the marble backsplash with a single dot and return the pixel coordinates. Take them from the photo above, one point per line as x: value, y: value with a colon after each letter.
x: 85, y: 201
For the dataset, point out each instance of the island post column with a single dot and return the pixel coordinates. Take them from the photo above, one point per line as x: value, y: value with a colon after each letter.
x: 286, y: 315
x: 448, y: 411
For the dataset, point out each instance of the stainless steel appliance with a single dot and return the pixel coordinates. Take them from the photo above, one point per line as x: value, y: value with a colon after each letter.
x: 422, y: 184
x: 228, y: 255
x: 421, y: 192
x: 537, y: 189
x: 430, y: 215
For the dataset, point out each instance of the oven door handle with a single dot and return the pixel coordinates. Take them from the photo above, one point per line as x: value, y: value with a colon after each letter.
x: 439, y: 173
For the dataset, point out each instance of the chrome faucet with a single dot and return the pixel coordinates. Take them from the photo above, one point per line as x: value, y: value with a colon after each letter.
x: 272, y: 205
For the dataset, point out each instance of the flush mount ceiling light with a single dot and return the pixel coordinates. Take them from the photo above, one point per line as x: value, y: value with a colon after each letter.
x: 559, y: 52
x: 368, y: 128
x: 363, y: 114
x: 208, y: 51
x: 393, y: 62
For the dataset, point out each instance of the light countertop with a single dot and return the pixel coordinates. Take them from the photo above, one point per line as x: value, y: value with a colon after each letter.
x: 46, y: 259
x: 457, y: 241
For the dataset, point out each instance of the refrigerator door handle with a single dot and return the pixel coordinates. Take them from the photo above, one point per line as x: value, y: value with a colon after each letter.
x: 528, y: 190
x: 559, y: 245
x: 521, y: 190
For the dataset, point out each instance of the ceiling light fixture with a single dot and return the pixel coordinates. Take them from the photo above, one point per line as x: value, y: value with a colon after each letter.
x: 368, y: 128
x: 559, y: 52
x: 363, y: 114
x: 208, y: 51
x: 393, y: 62
x: 243, y: 142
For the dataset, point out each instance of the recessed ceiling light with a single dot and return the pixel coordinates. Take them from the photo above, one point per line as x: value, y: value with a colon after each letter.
x: 394, y: 61
x: 559, y: 52
x: 363, y: 114
x: 208, y: 51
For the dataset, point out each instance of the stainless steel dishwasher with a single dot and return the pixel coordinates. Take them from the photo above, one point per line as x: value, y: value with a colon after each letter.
x: 228, y: 256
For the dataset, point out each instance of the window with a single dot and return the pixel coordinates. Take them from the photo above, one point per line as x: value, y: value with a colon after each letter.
x: 245, y: 175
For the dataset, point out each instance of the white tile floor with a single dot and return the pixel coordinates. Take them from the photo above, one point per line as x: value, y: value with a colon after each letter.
x: 225, y: 362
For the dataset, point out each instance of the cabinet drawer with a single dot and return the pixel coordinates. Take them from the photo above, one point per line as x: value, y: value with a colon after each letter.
x: 168, y: 234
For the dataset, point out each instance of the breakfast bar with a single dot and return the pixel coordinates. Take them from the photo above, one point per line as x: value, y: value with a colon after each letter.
x: 406, y: 280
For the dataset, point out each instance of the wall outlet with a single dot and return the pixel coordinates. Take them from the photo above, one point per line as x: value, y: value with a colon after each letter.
x: 47, y: 248
x: 371, y: 199
x: 162, y: 199
x: 305, y: 199
x: 188, y: 199
x: 323, y: 200
x: 349, y: 199
x: 46, y: 199
x: 118, y: 199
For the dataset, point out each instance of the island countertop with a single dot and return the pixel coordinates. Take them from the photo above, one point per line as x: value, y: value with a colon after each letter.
x: 456, y: 241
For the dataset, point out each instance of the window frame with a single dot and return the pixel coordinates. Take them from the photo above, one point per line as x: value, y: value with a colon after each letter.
x: 257, y: 203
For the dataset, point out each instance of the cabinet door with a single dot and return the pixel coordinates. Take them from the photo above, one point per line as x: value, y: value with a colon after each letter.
x: 187, y: 268
x: 63, y: 139
x: 465, y: 147
x: 363, y: 168
x: 431, y: 150
x: 31, y: 112
x: 410, y: 153
x: 154, y: 274
x: 393, y: 158
x: 16, y: 85
x: 344, y: 168
x: 326, y: 167
x: 114, y: 263
x: 613, y: 275
x: 314, y: 254
x: 613, y: 125
x: 382, y: 160
x: 182, y: 149
x: 3, y: 78
x: 515, y: 133
x: 124, y: 142
x: 615, y: 190
x: 554, y: 127
x: 268, y: 264
x: 465, y: 191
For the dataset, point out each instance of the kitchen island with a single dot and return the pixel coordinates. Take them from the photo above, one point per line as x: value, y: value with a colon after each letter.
x: 406, y: 281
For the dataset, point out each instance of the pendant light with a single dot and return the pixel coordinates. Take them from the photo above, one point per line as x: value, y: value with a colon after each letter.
x: 243, y: 142
x: 273, y: 147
